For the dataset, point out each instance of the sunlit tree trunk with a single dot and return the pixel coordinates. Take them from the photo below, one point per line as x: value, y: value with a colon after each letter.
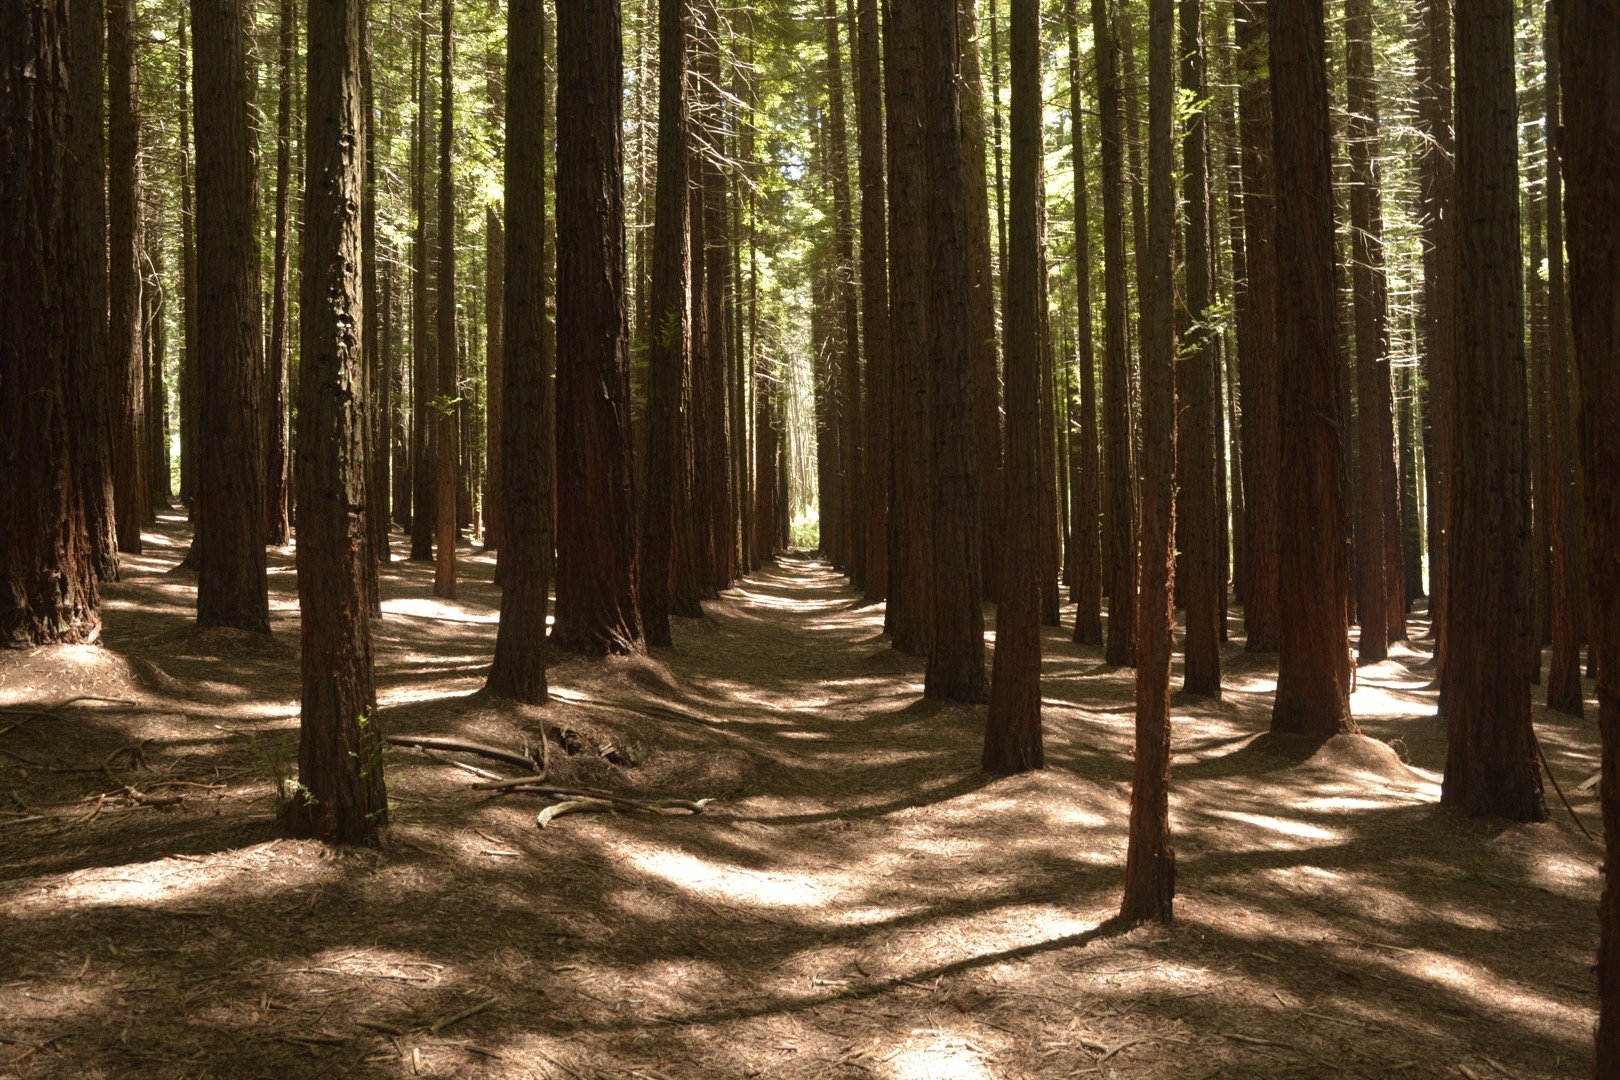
x: 1084, y: 535
x: 126, y: 349
x: 876, y: 422
x: 447, y: 414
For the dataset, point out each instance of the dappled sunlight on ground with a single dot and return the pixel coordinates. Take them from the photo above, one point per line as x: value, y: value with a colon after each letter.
x: 860, y: 900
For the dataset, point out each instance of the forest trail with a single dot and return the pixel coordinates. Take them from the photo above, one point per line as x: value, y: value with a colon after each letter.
x: 861, y: 900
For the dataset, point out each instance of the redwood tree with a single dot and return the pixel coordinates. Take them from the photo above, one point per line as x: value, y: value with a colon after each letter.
x: 230, y: 503
x: 876, y: 422
x: 596, y: 534
x: 47, y: 579
x: 1085, y: 537
x: 125, y: 351
x: 446, y: 461
x: 519, y: 669
x: 1589, y: 69
x: 340, y: 796
x: 1150, y: 862
x: 1313, y: 670
x: 1491, y: 763
x: 1012, y: 734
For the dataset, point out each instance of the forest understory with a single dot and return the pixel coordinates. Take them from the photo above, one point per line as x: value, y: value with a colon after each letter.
x: 859, y: 900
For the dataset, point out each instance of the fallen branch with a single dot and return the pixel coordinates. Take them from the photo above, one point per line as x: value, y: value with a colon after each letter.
x: 1561, y: 797
x: 435, y: 742
x: 662, y: 711
x: 144, y: 799
x: 53, y: 712
x: 434, y: 755
x: 523, y: 785
x: 464, y: 1014
x: 572, y: 806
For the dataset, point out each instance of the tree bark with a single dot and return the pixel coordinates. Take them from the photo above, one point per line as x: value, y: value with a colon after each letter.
x: 424, y: 365
x: 1118, y: 448
x: 48, y: 591
x: 876, y: 421
x: 596, y: 541
x: 277, y: 527
x: 1150, y: 862
x: 341, y: 796
x: 1012, y: 734
x: 231, y: 588
x: 1085, y: 537
x: 846, y: 303
x: 519, y: 668
x: 1491, y: 763
x: 1313, y: 679
x: 126, y: 350
x: 447, y: 459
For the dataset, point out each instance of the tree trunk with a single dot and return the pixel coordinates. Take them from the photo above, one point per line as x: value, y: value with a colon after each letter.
x: 277, y: 526
x: 1257, y: 339
x: 341, y: 796
x: 48, y: 590
x: 1313, y: 679
x: 1084, y: 536
x: 126, y: 352
x: 955, y: 670
x: 424, y: 365
x: 231, y: 589
x: 851, y: 542
x: 379, y: 391
x: 876, y: 422
x: 154, y: 332
x: 1564, y: 691
x: 1012, y: 734
x: 1150, y: 863
x: 596, y: 541
x: 190, y: 403
x: 1202, y: 584
x: 1491, y: 764
x: 1589, y: 153
x: 88, y: 380
x: 666, y: 354
x: 447, y: 458
x: 519, y: 668
x: 1118, y: 448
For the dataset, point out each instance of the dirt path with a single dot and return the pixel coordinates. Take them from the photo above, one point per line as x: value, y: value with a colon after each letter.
x: 862, y: 901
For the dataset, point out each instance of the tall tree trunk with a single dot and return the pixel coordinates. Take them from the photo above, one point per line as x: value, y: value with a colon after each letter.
x: 126, y: 351
x: 1313, y: 678
x: 155, y: 333
x: 190, y: 404
x: 447, y: 458
x: 231, y: 588
x: 379, y: 391
x: 876, y: 422
x: 982, y: 305
x: 666, y: 355
x: 1202, y: 584
x: 955, y: 670
x: 1589, y: 153
x: 1564, y: 691
x: 851, y: 543
x: 1012, y: 734
x: 1375, y: 453
x: 596, y: 541
x: 424, y: 365
x: 1118, y: 448
x: 88, y: 381
x: 1150, y: 863
x: 1084, y: 535
x: 1257, y: 339
x: 48, y: 590
x: 1491, y: 764
x: 519, y: 668
x: 277, y: 526
x: 341, y: 796
x: 909, y: 614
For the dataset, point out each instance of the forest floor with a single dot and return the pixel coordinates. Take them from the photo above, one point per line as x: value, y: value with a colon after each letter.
x: 860, y: 901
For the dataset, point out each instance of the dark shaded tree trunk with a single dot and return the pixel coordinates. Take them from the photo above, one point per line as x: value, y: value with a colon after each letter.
x: 955, y: 670
x: 1150, y: 862
x: 88, y: 379
x: 277, y: 527
x: 1491, y: 763
x: 341, y: 796
x: 379, y: 389
x: 1085, y: 538
x: 1118, y: 448
x: 1202, y: 584
x: 126, y: 349
x: 1012, y: 734
x: 190, y: 404
x: 1589, y: 152
x: 424, y: 364
x: 667, y: 347
x: 596, y: 539
x: 48, y: 590
x: 1257, y: 338
x: 447, y: 458
x: 1313, y: 678
x: 851, y: 495
x: 231, y: 588
x: 876, y: 421
x: 154, y: 332
x: 1375, y: 447
x: 519, y: 668
x: 909, y: 615
x: 1564, y: 691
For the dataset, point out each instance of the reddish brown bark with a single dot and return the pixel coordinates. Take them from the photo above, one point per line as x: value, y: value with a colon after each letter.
x: 876, y: 421
x: 1085, y: 538
x: 1313, y: 679
x: 850, y: 496
x: 277, y: 526
x: 47, y: 578
x: 126, y: 347
x: 341, y: 796
x: 447, y: 414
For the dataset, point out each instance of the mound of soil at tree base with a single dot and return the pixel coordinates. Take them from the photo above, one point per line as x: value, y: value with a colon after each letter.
x: 1357, y: 754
